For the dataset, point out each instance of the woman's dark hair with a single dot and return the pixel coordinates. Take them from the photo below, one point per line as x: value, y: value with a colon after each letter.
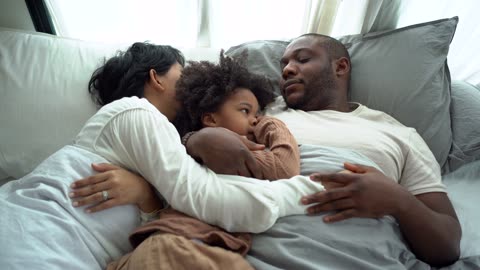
x: 125, y: 74
x: 204, y: 86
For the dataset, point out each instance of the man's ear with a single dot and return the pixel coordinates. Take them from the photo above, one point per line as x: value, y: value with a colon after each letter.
x: 155, y: 81
x: 342, y: 66
x: 208, y: 120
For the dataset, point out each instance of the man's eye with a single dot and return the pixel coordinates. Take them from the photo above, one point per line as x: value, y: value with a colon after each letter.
x: 304, y: 60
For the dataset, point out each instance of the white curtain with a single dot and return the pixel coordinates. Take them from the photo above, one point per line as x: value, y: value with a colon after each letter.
x: 320, y: 16
x: 234, y: 22
x: 363, y: 16
x: 203, y: 22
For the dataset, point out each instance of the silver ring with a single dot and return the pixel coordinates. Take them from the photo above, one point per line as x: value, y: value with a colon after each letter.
x: 105, y: 195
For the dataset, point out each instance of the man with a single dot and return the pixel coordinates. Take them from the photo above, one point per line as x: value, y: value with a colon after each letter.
x: 315, y: 82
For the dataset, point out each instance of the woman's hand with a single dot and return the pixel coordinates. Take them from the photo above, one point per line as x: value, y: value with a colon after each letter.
x: 113, y: 186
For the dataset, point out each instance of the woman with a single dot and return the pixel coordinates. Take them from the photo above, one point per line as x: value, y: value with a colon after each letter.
x: 44, y: 230
x: 227, y: 95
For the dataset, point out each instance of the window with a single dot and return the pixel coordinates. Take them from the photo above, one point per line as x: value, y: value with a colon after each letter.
x: 181, y: 23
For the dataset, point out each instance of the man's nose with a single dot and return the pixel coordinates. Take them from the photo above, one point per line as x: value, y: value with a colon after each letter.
x: 288, y: 71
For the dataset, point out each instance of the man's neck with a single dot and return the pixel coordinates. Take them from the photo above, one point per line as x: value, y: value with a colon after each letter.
x: 337, y: 105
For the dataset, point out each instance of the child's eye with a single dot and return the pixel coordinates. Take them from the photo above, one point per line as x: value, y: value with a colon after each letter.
x: 246, y: 111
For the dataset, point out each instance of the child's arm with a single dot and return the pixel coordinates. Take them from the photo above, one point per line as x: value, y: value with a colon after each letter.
x: 282, y: 160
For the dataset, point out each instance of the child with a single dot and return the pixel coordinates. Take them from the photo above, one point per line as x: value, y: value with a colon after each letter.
x: 227, y: 95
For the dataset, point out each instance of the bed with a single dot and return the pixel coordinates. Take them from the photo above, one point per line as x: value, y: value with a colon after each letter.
x: 403, y: 72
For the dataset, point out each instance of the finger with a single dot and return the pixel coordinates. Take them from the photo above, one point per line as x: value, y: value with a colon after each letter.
x: 341, y: 178
x: 88, y: 200
x: 103, y: 205
x: 253, y: 167
x: 103, y: 167
x: 336, y: 205
x: 342, y: 215
x: 91, y: 180
x: 251, y: 145
x: 89, y: 190
x: 326, y: 196
x: 356, y: 168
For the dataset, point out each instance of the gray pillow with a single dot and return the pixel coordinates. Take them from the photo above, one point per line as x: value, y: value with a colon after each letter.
x: 465, y: 114
x: 263, y: 57
x: 402, y: 72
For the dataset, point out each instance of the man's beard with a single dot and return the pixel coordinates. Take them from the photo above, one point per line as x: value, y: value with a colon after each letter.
x: 316, y: 95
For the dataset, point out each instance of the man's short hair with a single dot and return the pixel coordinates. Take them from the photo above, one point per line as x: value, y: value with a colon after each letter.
x: 334, y: 47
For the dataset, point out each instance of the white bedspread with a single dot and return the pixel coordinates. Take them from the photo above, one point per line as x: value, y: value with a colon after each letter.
x: 49, y: 233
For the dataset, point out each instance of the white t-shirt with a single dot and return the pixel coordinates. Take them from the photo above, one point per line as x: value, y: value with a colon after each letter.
x: 398, y: 150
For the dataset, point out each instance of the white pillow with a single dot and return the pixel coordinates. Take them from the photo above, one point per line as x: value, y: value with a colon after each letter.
x: 44, y: 99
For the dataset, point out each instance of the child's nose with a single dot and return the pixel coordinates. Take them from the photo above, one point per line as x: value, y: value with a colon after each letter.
x: 254, y: 121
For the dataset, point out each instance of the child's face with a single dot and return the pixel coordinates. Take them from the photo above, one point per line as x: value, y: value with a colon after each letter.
x: 238, y: 113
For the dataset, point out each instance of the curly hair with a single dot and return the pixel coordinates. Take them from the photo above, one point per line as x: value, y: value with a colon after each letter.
x: 204, y: 87
x: 125, y: 74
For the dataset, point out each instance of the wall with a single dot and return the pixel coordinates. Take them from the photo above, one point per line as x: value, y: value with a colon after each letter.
x: 14, y: 14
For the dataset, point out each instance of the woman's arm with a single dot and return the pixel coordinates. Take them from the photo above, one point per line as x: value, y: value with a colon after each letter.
x: 282, y: 159
x: 143, y: 141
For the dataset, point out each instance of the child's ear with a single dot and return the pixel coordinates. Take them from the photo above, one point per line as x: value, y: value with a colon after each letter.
x: 208, y: 120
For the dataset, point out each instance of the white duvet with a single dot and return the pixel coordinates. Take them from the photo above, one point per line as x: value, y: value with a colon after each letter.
x: 40, y: 229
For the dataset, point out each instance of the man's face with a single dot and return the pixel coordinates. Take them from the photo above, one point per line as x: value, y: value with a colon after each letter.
x: 307, y: 76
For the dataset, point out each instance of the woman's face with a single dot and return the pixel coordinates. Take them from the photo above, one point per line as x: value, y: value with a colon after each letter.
x: 169, y: 81
x: 171, y: 77
x: 238, y: 113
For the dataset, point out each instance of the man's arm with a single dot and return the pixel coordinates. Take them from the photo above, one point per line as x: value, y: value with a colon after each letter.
x: 430, y: 226
x: 428, y: 221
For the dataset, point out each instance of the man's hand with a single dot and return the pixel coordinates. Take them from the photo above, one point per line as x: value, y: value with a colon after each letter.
x: 428, y: 221
x: 225, y: 152
x: 366, y: 192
